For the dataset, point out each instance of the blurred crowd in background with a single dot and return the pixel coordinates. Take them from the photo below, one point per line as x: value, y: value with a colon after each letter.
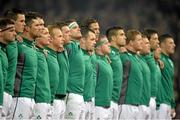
x: 163, y: 15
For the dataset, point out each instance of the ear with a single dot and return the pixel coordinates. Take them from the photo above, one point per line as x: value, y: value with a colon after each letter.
x: 113, y: 38
x: 0, y: 35
x: 131, y: 43
x: 82, y: 40
x: 26, y: 28
x: 162, y: 44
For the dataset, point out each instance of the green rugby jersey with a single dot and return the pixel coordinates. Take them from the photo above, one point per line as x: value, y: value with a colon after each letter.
x: 167, y: 81
x: 153, y: 68
x: 104, y: 82
x: 116, y: 65
x: 42, y: 91
x: 53, y: 68
x: 131, y: 91
x: 63, y: 62
x: 88, y: 81
x: 3, y: 70
x: 1, y: 82
x: 94, y: 61
x: 12, y: 54
x: 158, y: 96
x: 26, y: 71
x: 76, y: 68
x: 146, y: 91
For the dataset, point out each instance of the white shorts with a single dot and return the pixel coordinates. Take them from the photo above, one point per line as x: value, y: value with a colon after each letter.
x: 129, y: 112
x: 87, y: 111
x: 164, y: 112
x: 114, y: 111
x: 41, y: 110
x: 92, y: 110
x: 152, y: 106
x: 101, y: 113
x: 144, y: 112
x: 74, y: 106
x: 59, y: 109
x: 119, y: 109
x: 7, y: 101
x: 0, y: 112
x: 22, y: 108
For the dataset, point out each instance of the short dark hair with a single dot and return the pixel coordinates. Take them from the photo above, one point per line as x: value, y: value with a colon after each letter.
x: 88, y: 22
x: 148, y: 32
x: 85, y: 31
x: 70, y: 21
x: 29, y: 17
x: 37, y: 14
x: 4, y: 22
x: 13, y: 13
x: 51, y: 28
x: 112, y: 31
x: 163, y: 37
x: 144, y: 36
x: 131, y: 34
x: 61, y: 24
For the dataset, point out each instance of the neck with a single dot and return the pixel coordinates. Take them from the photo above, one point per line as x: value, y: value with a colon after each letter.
x: 142, y: 53
x: 77, y: 39
x: 99, y: 52
x: 4, y: 42
x: 164, y: 52
x: 115, y: 45
x: 39, y: 45
x: 82, y: 46
x: 130, y: 48
x: 52, y: 47
x: 27, y: 36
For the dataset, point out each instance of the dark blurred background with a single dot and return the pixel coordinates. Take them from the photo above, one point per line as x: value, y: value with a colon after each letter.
x: 163, y: 15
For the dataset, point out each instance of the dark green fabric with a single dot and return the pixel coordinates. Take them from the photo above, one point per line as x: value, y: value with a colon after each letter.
x: 26, y: 71
x: 132, y: 85
x: 53, y: 68
x: 12, y: 54
x: 89, y: 81
x: 76, y: 68
x: 159, y: 93
x: 167, y: 81
x: 146, y: 91
x: 3, y: 70
x: 94, y: 61
x: 1, y: 82
x: 104, y: 83
x: 43, y: 91
x: 63, y: 61
x: 116, y: 65
x: 153, y: 68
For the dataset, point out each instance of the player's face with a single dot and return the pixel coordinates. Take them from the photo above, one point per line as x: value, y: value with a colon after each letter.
x: 9, y: 35
x: 145, y: 46
x: 0, y: 34
x: 106, y: 48
x: 75, y: 32
x: 90, y: 41
x: 169, y: 46
x: 66, y: 34
x: 44, y: 38
x: 41, y: 23
x: 157, y: 53
x: 154, y: 42
x: 137, y: 42
x: 57, y: 38
x: 95, y: 27
x: 20, y: 23
x: 35, y: 28
x: 120, y: 38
